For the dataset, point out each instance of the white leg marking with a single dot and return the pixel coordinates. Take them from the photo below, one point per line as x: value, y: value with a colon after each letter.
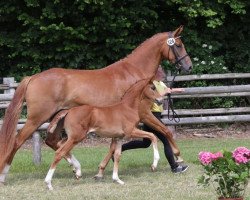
x: 116, y: 178
x: 117, y: 152
x: 48, y: 179
x: 77, y: 166
x: 69, y: 161
x: 156, y: 156
x: 4, y: 173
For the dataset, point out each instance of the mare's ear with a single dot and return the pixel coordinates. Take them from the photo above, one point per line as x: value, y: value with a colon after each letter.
x: 178, y: 31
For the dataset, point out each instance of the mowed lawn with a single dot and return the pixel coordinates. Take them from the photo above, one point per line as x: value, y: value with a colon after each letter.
x: 26, y: 181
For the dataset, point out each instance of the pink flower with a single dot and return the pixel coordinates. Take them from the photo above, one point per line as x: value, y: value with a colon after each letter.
x: 241, y: 155
x: 207, y: 157
x: 217, y: 155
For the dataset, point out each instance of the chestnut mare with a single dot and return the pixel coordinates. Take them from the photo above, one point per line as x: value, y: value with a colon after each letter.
x: 116, y: 121
x: 55, y: 89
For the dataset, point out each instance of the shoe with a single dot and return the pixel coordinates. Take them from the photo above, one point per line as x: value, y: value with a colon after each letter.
x: 180, y: 169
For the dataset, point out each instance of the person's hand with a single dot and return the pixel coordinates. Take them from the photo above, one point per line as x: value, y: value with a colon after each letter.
x: 176, y: 90
x: 166, y: 91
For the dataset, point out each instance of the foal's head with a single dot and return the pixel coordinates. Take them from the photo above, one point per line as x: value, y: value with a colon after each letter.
x: 174, y: 50
x: 149, y: 93
x: 136, y: 90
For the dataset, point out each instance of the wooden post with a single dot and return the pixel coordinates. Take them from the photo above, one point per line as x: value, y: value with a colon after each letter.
x: 9, y: 81
x: 36, y: 148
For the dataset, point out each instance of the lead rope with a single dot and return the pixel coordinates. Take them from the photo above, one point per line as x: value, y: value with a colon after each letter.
x: 174, y: 117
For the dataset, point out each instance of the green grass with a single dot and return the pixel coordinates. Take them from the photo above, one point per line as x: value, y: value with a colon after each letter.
x: 25, y: 180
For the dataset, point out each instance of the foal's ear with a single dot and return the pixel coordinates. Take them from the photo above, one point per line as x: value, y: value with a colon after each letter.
x: 178, y: 31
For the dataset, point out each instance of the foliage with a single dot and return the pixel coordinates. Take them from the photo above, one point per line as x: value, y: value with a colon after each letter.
x: 228, y: 172
x: 89, y: 34
x: 37, y: 35
x: 214, y: 12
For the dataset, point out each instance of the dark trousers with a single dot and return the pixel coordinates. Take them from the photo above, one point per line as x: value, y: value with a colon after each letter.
x: 145, y: 143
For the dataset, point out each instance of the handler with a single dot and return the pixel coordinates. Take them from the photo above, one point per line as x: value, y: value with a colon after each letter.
x: 157, y: 110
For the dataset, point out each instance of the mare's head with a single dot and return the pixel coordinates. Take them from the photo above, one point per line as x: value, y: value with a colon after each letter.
x: 174, y: 50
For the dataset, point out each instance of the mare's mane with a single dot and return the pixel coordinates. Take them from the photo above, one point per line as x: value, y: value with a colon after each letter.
x: 148, y: 40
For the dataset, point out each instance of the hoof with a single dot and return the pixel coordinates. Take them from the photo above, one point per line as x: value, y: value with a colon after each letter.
x: 50, y: 188
x: 98, y: 178
x: 78, y: 177
x: 153, y: 169
x: 120, y: 182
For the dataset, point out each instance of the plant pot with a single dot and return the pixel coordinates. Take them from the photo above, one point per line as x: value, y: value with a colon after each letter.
x: 237, y: 198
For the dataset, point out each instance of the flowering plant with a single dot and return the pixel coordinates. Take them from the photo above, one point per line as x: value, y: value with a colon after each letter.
x: 227, y: 171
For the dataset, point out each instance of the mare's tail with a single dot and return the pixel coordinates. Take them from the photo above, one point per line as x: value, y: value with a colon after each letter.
x: 8, y: 131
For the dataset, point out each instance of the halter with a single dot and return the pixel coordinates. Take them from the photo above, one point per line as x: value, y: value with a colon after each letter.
x: 171, y: 42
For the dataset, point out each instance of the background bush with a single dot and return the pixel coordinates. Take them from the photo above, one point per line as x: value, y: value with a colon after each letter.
x: 36, y: 35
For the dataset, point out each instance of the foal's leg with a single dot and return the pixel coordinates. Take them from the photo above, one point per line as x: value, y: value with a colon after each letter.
x: 106, y: 160
x: 54, y: 141
x: 136, y: 133
x: 117, y: 156
x: 75, y: 135
x: 60, y: 153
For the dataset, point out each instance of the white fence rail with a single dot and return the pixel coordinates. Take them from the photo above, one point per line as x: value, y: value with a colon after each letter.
x: 216, y: 115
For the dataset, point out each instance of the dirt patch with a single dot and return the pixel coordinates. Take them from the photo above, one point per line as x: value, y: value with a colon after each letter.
x: 236, y: 130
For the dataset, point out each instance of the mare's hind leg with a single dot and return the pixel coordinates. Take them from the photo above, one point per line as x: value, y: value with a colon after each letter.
x: 36, y: 118
x: 54, y: 140
x: 136, y: 133
x: 25, y: 133
x: 106, y: 160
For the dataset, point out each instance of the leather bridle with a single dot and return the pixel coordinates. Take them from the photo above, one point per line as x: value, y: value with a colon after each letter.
x: 171, y: 42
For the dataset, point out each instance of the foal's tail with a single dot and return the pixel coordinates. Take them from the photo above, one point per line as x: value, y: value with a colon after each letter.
x: 8, y: 131
x: 53, y: 124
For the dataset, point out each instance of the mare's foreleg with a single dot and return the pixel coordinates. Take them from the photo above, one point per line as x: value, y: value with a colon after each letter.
x: 106, y: 160
x: 154, y: 123
x: 136, y: 133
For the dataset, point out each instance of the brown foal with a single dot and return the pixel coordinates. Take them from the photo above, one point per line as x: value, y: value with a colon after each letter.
x: 117, y: 121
